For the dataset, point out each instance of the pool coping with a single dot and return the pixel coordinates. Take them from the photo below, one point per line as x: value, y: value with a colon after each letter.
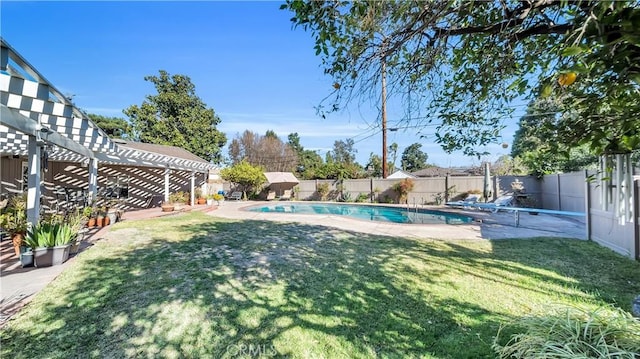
x: 486, y: 225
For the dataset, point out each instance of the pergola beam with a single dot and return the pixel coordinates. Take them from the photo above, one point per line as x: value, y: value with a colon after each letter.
x: 16, y: 121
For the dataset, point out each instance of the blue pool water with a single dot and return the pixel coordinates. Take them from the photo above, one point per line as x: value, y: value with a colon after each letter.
x: 371, y: 213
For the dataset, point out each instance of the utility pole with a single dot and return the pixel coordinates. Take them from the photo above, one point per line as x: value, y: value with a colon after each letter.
x: 384, y: 117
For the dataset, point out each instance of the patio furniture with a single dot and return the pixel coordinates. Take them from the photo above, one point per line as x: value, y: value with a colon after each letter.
x: 286, y: 195
x: 236, y: 195
x: 465, y: 203
x: 271, y: 195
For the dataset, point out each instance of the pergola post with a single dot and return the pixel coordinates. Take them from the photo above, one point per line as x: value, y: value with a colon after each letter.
x: 193, y: 187
x: 166, y: 184
x: 33, y: 191
x: 93, y: 180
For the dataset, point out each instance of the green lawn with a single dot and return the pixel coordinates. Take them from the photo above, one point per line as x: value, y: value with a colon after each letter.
x: 196, y: 286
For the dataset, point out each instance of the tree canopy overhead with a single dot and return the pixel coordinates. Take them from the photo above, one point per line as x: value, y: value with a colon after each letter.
x: 458, y: 65
x: 176, y: 116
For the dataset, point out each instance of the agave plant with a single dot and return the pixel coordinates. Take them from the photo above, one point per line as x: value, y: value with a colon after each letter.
x: 65, y: 234
x: 42, y: 235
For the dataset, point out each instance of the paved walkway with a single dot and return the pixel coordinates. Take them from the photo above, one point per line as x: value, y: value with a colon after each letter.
x: 18, y: 285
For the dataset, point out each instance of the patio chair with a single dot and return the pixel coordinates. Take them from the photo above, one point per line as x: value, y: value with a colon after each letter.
x: 495, y: 205
x: 271, y: 195
x: 236, y: 195
x: 286, y: 195
x: 465, y: 203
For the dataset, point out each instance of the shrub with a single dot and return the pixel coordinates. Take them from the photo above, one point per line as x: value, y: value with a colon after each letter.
x: 362, y: 197
x: 606, y: 332
x: 403, y: 188
x: 323, y: 191
x: 179, y: 197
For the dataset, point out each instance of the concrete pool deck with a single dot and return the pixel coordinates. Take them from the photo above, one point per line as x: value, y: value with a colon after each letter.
x: 488, y: 225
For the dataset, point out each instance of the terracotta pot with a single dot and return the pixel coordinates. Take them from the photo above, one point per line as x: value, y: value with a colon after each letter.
x: 106, y: 220
x: 100, y: 221
x: 92, y: 222
x: 18, y: 240
x: 167, y: 208
x: 202, y: 200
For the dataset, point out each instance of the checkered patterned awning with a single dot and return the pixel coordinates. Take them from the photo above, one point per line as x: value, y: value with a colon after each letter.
x: 29, y: 97
x: 23, y: 89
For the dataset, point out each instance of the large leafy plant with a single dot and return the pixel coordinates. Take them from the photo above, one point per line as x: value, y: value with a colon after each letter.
x: 14, y: 220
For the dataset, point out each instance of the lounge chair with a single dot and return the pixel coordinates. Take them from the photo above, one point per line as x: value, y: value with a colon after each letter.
x: 271, y: 195
x: 494, y: 206
x: 236, y: 195
x: 465, y: 203
x: 286, y: 195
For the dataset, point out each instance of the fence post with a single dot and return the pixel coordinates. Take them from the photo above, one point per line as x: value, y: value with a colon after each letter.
x: 636, y: 216
x: 496, y: 189
x: 587, y: 200
x: 371, y: 190
x: 446, y: 188
x: 559, y: 197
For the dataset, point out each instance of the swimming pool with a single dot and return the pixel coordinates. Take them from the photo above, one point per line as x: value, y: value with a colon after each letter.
x: 371, y: 213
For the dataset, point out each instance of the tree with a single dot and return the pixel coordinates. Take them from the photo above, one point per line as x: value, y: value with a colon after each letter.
x: 413, y: 159
x: 341, y: 162
x: 374, y: 166
x: 249, y: 177
x: 538, y: 142
x: 506, y: 165
x: 177, y: 117
x: 114, y: 127
x: 344, y: 152
x: 267, y: 151
x: 309, y: 162
x: 393, y: 154
x: 461, y: 63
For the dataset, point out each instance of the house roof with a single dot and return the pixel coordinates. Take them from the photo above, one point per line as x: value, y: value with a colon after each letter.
x: 401, y: 174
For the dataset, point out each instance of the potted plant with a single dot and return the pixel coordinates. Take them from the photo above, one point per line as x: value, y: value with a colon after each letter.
x: 51, y: 242
x: 167, y: 207
x: 178, y: 199
x: 76, y: 221
x: 101, y: 212
x: 200, y: 199
x: 218, y: 197
x: 14, y: 221
x: 41, y: 239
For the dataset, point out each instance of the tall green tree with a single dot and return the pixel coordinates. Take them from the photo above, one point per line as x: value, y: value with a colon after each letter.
x: 309, y: 162
x: 344, y: 151
x: 459, y: 64
x: 413, y: 158
x: 114, y: 127
x: 393, y: 154
x: 177, y: 116
x: 539, y: 146
x: 341, y: 161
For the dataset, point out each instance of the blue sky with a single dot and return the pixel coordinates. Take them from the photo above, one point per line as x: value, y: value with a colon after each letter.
x: 246, y: 62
